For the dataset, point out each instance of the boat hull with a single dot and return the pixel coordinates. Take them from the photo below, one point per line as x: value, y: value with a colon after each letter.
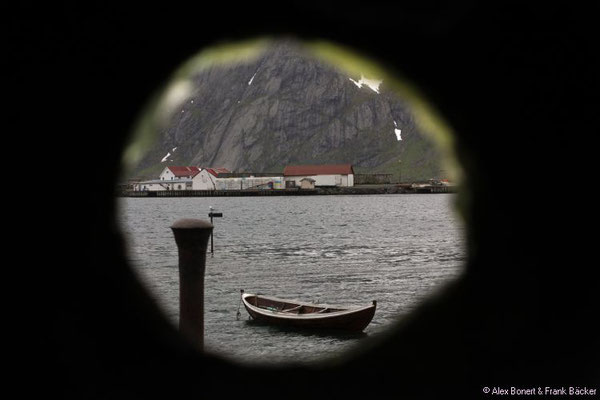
x: 350, y: 320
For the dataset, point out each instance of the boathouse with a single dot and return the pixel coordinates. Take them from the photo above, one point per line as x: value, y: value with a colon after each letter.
x: 323, y: 175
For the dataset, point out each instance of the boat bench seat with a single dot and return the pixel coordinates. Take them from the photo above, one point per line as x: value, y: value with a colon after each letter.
x: 292, y: 309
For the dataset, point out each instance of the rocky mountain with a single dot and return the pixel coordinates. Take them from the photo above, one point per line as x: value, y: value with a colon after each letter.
x: 287, y: 107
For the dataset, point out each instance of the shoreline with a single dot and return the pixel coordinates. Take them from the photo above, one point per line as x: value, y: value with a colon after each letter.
x: 328, y: 191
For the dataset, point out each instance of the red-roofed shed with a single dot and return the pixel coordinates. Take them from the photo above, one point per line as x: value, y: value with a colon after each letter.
x: 324, y: 175
x: 304, y: 170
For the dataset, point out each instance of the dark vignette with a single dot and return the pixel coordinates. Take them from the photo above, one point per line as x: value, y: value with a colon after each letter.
x: 516, y: 84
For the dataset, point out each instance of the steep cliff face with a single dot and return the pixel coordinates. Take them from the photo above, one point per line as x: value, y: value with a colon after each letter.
x: 284, y: 108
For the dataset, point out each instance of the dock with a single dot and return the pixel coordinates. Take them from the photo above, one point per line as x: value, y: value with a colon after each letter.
x: 354, y: 190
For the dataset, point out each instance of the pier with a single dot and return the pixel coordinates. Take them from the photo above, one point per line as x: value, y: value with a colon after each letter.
x: 355, y: 190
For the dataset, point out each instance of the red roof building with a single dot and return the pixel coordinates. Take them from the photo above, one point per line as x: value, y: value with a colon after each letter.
x: 217, y: 171
x: 322, y: 175
x: 170, y: 173
x: 184, y: 171
x: 311, y: 170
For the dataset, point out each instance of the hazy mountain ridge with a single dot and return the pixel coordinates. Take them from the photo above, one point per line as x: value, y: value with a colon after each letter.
x: 288, y: 108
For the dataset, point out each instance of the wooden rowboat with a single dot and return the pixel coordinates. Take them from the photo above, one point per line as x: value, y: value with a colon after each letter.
x: 292, y: 313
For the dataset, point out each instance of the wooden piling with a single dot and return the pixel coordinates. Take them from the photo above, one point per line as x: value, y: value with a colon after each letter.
x: 191, y: 237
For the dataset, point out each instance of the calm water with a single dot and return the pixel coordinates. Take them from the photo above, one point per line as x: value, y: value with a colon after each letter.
x: 345, y: 250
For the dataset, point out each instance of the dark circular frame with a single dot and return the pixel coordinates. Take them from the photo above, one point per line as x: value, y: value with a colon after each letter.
x: 520, y: 314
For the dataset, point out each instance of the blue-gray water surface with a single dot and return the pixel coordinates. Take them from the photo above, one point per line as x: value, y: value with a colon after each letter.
x: 346, y: 250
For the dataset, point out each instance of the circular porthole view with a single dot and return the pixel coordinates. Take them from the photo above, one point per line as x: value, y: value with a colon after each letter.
x: 330, y: 185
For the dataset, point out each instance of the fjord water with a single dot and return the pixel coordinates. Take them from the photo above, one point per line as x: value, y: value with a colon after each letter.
x: 339, y: 250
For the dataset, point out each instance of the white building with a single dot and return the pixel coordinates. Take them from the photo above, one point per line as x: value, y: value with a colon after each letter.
x: 251, y: 182
x: 171, y: 178
x: 323, y: 175
x: 171, y: 173
x: 209, y: 179
x: 160, y: 184
x: 204, y: 181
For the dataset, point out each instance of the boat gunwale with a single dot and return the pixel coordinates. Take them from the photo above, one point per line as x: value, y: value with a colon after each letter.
x: 314, y: 315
